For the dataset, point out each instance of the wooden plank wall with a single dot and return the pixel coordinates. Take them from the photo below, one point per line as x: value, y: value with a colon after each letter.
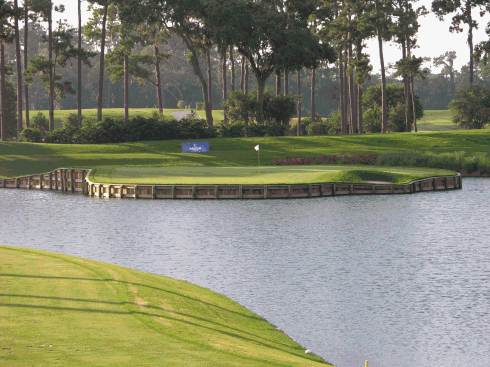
x: 76, y: 181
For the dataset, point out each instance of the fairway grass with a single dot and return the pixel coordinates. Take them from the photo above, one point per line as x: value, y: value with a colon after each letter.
x: 59, y: 310
x: 269, y: 175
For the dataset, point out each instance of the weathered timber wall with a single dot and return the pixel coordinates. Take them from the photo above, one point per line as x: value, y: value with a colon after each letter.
x: 76, y: 180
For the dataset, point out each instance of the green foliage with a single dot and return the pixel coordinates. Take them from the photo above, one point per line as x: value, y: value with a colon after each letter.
x: 317, y: 128
x: 334, y: 123
x: 231, y: 129
x: 395, y: 105
x: 402, y: 158
x: 157, y: 127
x: 39, y: 121
x: 32, y: 135
x: 243, y: 107
x: 200, y: 106
x: 11, y: 110
x: 181, y: 105
x: 471, y: 109
x: 239, y: 106
x: 71, y: 120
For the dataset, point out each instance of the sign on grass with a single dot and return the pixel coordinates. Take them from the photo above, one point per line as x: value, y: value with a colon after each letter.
x: 200, y: 147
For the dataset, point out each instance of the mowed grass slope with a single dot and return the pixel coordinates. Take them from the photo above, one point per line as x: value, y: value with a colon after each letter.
x: 18, y: 159
x: 58, y: 310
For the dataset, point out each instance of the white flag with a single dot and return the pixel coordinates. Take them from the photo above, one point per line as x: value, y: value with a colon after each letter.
x: 257, y: 148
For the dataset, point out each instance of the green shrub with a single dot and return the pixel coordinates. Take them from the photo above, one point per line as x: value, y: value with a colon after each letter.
x: 200, y: 106
x: 317, y: 128
x: 402, y: 158
x: 71, y: 120
x: 181, y: 105
x: 32, y: 135
x: 231, y: 130
x: 395, y: 96
x: 39, y: 121
x: 334, y: 123
x: 60, y: 136
x: 471, y: 108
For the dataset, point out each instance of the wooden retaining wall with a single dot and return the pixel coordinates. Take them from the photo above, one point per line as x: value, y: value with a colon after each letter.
x: 75, y: 180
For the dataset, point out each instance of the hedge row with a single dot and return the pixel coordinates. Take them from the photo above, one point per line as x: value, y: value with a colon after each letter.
x: 141, y: 129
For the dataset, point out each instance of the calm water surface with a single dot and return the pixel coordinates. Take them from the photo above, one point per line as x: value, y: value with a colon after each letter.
x: 397, y: 280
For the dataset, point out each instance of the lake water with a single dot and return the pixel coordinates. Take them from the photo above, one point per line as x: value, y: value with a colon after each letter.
x: 398, y: 280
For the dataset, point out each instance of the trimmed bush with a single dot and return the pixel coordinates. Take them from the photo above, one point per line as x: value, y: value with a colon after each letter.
x: 181, y: 105
x: 200, y: 106
x: 39, y: 121
x: 71, y: 120
x: 32, y: 135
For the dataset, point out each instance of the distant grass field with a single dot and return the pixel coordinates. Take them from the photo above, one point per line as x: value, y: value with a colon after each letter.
x: 116, y: 113
x: 18, y: 159
x: 59, y: 310
x: 437, y: 120
x: 269, y: 175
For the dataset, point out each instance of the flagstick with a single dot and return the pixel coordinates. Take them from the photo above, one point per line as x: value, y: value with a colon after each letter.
x: 258, y: 155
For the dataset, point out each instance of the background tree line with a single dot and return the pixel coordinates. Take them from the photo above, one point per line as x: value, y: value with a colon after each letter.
x: 151, y: 59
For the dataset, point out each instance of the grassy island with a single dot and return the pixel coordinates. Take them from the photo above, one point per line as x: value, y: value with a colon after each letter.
x: 63, y: 310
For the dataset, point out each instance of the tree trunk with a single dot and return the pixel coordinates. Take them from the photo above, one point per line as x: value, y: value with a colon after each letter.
x: 246, y: 77
x: 242, y: 74
x: 412, y: 90
x: 2, y: 90
x: 210, y: 100
x: 313, y: 110
x: 470, y: 39
x: 79, y: 63
x: 384, y: 113
x: 232, y: 62
x: 260, y: 101
x: 286, y: 82
x: 299, y: 103
x: 26, y: 34
x: 223, y: 74
x: 51, y: 76
x: 359, y: 90
x: 359, y: 108
x: 19, y: 71
x: 126, y: 87
x: 159, y: 82
x: 406, y: 85
x: 278, y: 83
x: 346, y: 95
x: 343, y: 118
x: 101, y: 70
x: 353, y: 117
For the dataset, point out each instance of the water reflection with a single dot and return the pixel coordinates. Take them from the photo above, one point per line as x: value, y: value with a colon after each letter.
x: 389, y: 279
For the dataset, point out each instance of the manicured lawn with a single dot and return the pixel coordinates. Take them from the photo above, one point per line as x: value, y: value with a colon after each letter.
x: 265, y: 175
x: 18, y: 159
x: 117, y: 114
x: 58, y: 310
x: 437, y: 120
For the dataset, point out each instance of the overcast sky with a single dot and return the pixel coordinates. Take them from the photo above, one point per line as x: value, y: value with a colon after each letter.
x: 434, y: 37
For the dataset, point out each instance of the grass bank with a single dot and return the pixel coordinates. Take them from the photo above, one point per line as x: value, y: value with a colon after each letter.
x: 18, y: 159
x: 62, y: 310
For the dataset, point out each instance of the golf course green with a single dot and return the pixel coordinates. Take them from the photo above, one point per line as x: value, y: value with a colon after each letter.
x: 269, y: 175
x: 59, y: 310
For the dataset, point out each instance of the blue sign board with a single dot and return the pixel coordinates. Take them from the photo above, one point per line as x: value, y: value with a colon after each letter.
x: 200, y: 147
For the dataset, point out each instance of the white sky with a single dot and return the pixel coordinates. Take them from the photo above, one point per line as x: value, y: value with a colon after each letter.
x: 434, y: 37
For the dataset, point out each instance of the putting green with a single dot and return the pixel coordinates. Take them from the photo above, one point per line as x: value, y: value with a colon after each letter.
x: 59, y: 310
x: 268, y: 175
